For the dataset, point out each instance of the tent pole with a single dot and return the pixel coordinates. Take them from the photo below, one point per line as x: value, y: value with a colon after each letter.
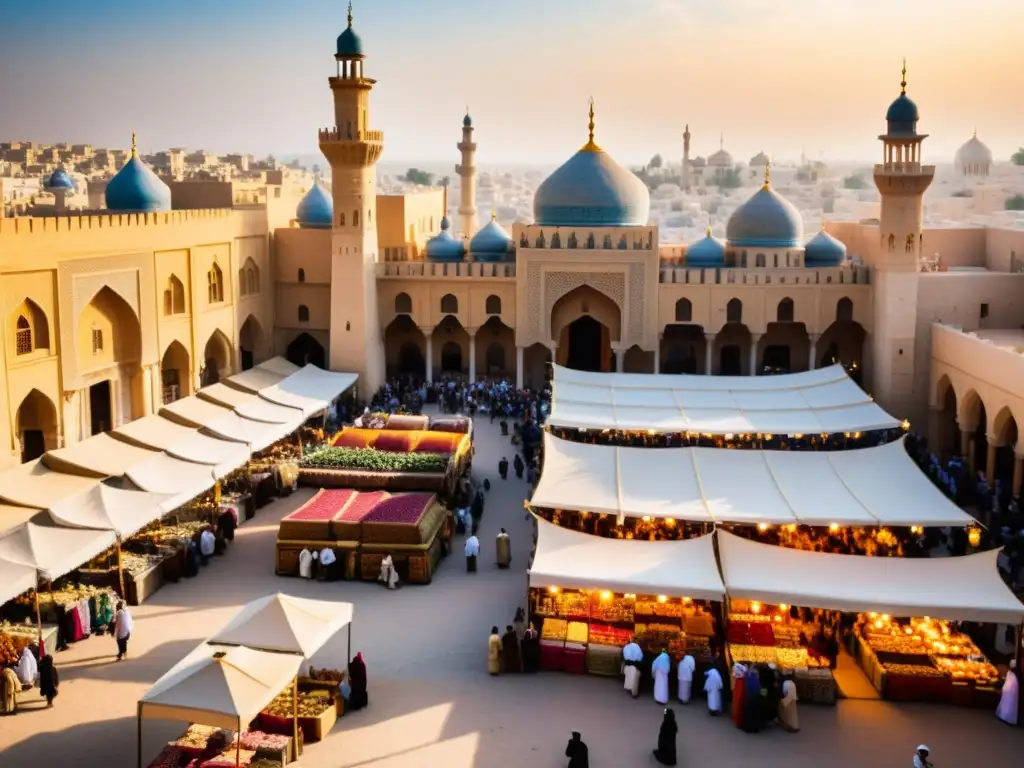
x: 295, y: 715
x: 238, y: 744
x: 348, y: 654
x: 138, y: 730
x: 39, y: 620
x: 120, y: 571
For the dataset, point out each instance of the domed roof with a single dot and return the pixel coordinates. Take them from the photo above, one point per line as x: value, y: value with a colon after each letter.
x: 766, y: 220
x: 707, y: 252
x: 136, y: 189
x: 591, y: 189
x: 823, y: 250
x: 490, y: 243
x: 902, y: 114
x: 444, y: 246
x: 349, y: 43
x: 316, y: 209
x: 59, y: 179
x: 974, y: 152
x: 467, y: 121
x: 721, y: 158
x: 760, y: 160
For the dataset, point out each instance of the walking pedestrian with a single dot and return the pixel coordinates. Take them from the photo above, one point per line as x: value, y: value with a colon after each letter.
x: 666, y: 751
x: 122, y: 629
x: 518, y: 466
x: 503, y: 468
x: 685, y: 672
x: 577, y: 752
x: 472, y: 552
x: 49, y: 680
x: 494, y: 652
x: 503, y: 549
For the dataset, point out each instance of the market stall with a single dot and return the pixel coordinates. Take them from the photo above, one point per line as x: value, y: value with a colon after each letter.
x: 593, y: 594
x: 159, y: 433
x: 100, y: 454
x: 33, y: 484
x: 310, y: 389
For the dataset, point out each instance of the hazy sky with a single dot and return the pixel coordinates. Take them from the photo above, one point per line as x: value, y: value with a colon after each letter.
x: 777, y: 75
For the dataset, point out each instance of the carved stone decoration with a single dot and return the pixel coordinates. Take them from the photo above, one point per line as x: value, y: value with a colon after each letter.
x: 637, y: 305
x: 558, y: 284
x: 533, y: 300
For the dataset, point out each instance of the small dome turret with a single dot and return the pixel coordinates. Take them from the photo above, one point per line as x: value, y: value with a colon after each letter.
x: 491, y: 243
x: 316, y: 209
x: 349, y: 44
x: 973, y: 158
x: 706, y: 253
x: 444, y: 246
x: 823, y: 250
x: 766, y: 220
x: 467, y: 121
x: 59, y: 179
x: 136, y: 189
x: 902, y: 115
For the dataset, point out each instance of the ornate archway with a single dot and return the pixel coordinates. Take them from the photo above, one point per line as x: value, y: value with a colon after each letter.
x: 175, y: 374
x: 585, y: 322
x: 305, y: 350
x: 216, y: 358
x: 109, y: 352
x: 36, y: 425
x: 251, y: 343
x: 404, y: 347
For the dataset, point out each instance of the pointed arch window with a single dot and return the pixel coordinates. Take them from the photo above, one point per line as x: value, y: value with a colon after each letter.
x: 174, y: 297
x: 355, y: 218
x: 215, y: 285
x: 303, y: 313
x: 23, y: 336
x: 302, y: 275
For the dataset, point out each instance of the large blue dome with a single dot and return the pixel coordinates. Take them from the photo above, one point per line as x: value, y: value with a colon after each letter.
x: 902, y: 114
x: 349, y: 43
x: 707, y: 252
x: 766, y: 220
x: 316, y: 209
x: 591, y: 189
x: 491, y: 243
x: 444, y: 246
x: 823, y: 250
x: 136, y: 189
x: 59, y: 179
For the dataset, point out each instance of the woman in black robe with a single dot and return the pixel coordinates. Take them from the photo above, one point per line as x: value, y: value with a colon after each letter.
x: 510, y: 648
x: 531, y: 650
x: 666, y: 751
x: 577, y: 752
x: 770, y: 697
x: 357, y: 676
x: 49, y: 680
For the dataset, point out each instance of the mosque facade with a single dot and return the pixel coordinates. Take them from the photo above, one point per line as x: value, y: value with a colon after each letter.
x: 111, y: 315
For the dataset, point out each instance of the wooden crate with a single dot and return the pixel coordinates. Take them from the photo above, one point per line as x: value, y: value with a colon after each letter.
x: 317, y: 728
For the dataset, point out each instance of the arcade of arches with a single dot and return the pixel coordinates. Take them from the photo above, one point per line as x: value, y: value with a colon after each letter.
x: 986, y: 434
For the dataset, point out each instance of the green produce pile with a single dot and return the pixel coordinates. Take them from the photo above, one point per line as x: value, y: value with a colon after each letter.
x: 371, y: 460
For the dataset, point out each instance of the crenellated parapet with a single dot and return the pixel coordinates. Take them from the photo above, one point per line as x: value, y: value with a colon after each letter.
x: 28, y: 225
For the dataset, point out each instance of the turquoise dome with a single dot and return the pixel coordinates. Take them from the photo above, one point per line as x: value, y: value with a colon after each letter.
x: 316, y: 209
x: 349, y: 43
x: 823, y: 250
x: 766, y: 220
x: 491, y: 243
x: 902, y: 117
x: 59, y: 179
x: 467, y: 121
x: 444, y: 246
x: 591, y: 190
x: 707, y: 252
x: 136, y: 189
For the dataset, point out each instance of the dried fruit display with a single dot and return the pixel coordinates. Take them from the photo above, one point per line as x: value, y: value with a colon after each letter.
x: 324, y: 506
x: 981, y: 672
x: 9, y: 653
x: 371, y: 460
x: 438, y: 442
x: 362, y: 504
x: 136, y: 565
x: 554, y: 629
x: 227, y: 759
x: 326, y: 675
x: 611, y: 610
x: 907, y: 646
x: 404, y: 508
x: 756, y: 654
x: 256, y: 740
x: 698, y: 645
x: 311, y: 704
x: 602, y: 634
x: 577, y: 632
x: 169, y: 757
x: 196, y: 737
x: 655, y: 608
x: 750, y: 618
x: 912, y: 670
x: 395, y: 441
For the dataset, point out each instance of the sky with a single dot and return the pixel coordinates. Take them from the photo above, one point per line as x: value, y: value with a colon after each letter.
x: 786, y: 77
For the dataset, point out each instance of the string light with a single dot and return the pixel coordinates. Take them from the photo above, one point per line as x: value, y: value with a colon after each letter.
x: 662, y: 599
x: 553, y: 590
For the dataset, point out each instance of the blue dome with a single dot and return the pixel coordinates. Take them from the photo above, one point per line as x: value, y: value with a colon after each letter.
x: 591, y: 190
x: 766, y: 220
x: 136, y: 189
x: 490, y: 243
x: 444, y: 246
x: 708, y: 252
x: 316, y: 209
x: 467, y: 121
x: 823, y: 250
x: 59, y: 179
x: 902, y: 116
x: 349, y: 43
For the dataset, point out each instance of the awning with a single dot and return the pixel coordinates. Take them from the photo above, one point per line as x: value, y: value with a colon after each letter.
x: 567, y: 558
x: 12, y: 516
x: 106, y: 508
x: 285, y: 624
x: 15, y: 579
x: 184, y: 442
x: 864, y: 486
x: 280, y: 366
x: 222, y: 394
x: 310, y: 389
x: 271, y: 413
x: 965, y: 588
x: 165, y: 474
x: 100, y: 454
x: 33, y: 484
x: 220, y: 686
x: 813, y: 402
x: 194, y: 411
x: 255, y: 379
x: 257, y: 434
x: 52, y: 549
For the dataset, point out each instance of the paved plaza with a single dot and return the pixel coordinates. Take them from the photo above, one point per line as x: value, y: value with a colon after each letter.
x: 432, y: 703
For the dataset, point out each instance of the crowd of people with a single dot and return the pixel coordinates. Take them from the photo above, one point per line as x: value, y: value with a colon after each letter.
x: 517, y: 650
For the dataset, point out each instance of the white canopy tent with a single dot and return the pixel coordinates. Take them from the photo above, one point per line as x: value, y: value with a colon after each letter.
x: 159, y: 433
x: 222, y: 394
x: 865, y: 486
x: 965, y: 588
x: 566, y: 558
x: 279, y: 365
x: 165, y: 474
x: 15, y: 579
x: 264, y: 375
x: 813, y: 402
x: 33, y: 484
x: 259, y: 409
x: 258, y: 434
x: 106, y: 508
x: 100, y: 454
x: 194, y: 411
x: 309, y: 389
x: 286, y: 624
x: 52, y: 549
x: 12, y: 516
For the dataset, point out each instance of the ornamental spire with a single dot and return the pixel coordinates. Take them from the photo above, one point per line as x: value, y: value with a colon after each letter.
x: 767, y: 174
x: 135, y: 145
x: 591, y: 145
x: 350, y: 14
x: 903, y: 72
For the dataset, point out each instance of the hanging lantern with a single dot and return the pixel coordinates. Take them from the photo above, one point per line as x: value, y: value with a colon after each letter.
x: 974, y: 536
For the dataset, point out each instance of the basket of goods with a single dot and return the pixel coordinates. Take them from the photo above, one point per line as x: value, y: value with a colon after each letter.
x: 273, y: 746
x: 316, y: 709
x: 576, y: 632
x: 312, y: 521
x: 962, y: 670
x: 194, y: 740
x: 554, y: 629
x: 604, y: 659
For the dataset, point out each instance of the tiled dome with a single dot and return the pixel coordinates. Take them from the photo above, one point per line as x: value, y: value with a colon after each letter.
x: 316, y: 209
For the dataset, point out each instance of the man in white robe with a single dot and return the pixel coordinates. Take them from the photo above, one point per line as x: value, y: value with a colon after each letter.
x: 660, y: 669
x: 632, y: 656
x: 713, y: 688
x: 787, y: 706
x: 388, y: 575
x: 306, y: 564
x: 1009, y: 702
x: 686, y: 670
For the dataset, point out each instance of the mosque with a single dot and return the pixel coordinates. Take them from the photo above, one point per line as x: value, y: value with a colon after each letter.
x: 113, y: 314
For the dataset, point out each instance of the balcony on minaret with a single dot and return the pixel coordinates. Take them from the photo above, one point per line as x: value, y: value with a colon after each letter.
x: 345, y: 147
x: 905, y: 168
x: 465, y: 170
x: 466, y: 146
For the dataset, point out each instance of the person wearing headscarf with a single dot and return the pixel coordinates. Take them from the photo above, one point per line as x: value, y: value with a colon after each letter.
x: 753, y: 709
x: 519, y: 622
x: 660, y: 669
x: 494, y: 652
x: 10, y: 686
x: 510, y: 648
x: 666, y: 751
x: 531, y: 649
x: 921, y: 757
x: 577, y: 752
x: 28, y: 670
x: 472, y: 551
x: 49, y: 680
x: 306, y: 564
x: 713, y: 688
x: 739, y: 676
x: 359, y: 698
x: 503, y: 549
x: 1009, y: 700
x: 788, y: 716
x: 632, y: 656
x: 770, y: 694
x: 686, y: 669
x: 388, y: 576
x: 328, y: 564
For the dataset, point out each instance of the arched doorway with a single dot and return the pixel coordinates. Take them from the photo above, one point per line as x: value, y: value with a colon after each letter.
x: 404, y: 346
x: 1005, y: 436
x: 451, y: 358
x: 305, y: 350
x: 216, y: 359
x: 36, y: 425
x: 683, y: 348
x: 733, y: 345
x: 537, y: 360
x: 410, y: 359
x: 945, y: 441
x: 251, y: 343
x: 109, y: 351
x: 494, y: 360
x: 495, y: 348
x: 450, y: 346
x: 585, y: 323
x: 843, y: 342
x: 175, y: 378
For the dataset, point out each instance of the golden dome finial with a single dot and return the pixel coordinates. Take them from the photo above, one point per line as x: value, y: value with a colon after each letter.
x: 707, y: 232
x: 494, y: 214
x: 350, y: 14
x: 822, y: 222
x: 591, y: 145
x: 135, y: 145
x: 903, y: 72
x: 767, y: 174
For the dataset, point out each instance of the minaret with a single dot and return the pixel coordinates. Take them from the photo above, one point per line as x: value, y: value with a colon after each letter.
x: 352, y: 149
x: 902, y: 180
x: 686, y: 159
x: 467, y: 178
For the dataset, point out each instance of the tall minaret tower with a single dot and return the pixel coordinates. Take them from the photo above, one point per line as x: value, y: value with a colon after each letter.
x: 352, y: 149
x: 467, y: 178
x: 902, y: 180
x: 686, y: 159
